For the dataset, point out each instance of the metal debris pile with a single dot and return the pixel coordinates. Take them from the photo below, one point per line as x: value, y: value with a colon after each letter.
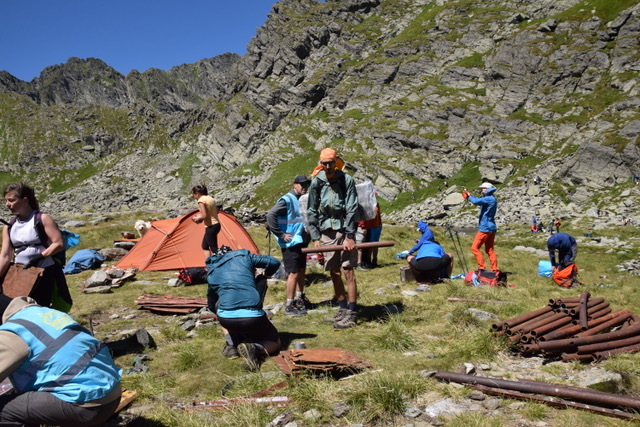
x: 580, y: 328
x: 169, y: 304
x: 334, y: 361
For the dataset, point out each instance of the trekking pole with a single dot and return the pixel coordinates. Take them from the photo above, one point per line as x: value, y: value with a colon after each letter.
x: 458, y: 249
x: 464, y: 259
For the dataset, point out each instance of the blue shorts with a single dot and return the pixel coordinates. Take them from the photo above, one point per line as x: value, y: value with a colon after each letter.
x: 373, y: 234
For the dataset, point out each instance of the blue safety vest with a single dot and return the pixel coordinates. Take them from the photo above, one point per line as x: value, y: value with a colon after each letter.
x: 292, y: 222
x: 64, y: 359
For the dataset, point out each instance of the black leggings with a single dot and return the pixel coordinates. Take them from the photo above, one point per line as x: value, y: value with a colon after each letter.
x: 210, y: 240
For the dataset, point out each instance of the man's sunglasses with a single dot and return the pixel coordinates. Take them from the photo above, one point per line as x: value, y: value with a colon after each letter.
x: 329, y: 163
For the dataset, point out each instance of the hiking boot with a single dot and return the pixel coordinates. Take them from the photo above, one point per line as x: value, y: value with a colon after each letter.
x: 303, y: 301
x: 338, y: 316
x: 293, y: 310
x: 230, y: 351
x: 252, y: 355
x: 362, y: 267
x: 347, y: 321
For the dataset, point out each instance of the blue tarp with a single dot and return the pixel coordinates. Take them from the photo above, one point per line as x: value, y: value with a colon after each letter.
x: 84, y: 259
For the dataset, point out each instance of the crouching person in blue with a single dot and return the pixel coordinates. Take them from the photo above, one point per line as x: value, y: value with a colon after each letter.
x: 236, y: 295
x: 431, y: 263
x: 61, y: 374
x: 566, y: 247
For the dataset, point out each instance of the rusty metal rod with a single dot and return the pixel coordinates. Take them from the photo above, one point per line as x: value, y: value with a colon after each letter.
x: 568, y: 357
x: 555, y: 402
x: 332, y: 248
x: 557, y: 390
x: 584, y: 299
x: 478, y: 300
x: 608, y: 345
x: 509, y: 323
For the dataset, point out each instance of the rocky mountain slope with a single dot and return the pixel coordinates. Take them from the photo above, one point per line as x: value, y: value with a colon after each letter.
x: 421, y: 97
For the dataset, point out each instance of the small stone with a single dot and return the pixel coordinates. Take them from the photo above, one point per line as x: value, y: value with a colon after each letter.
x: 409, y: 293
x: 428, y: 374
x: 477, y: 395
x: 412, y: 412
x: 469, y: 368
x: 491, y: 404
x: 312, y: 414
x: 340, y: 409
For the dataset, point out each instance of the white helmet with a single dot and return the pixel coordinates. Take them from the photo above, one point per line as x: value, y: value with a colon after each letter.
x: 486, y: 185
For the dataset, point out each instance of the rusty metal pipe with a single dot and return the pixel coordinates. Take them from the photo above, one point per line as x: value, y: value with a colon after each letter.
x: 560, y: 345
x: 608, y: 345
x: 618, y: 320
x: 557, y: 390
x: 584, y: 299
x: 509, y: 323
x: 539, y: 321
x: 629, y: 349
x: 555, y: 402
x: 609, y: 336
x: 591, y: 303
x: 561, y: 300
x: 600, y: 313
x: 551, y: 326
x: 332, y: 248
x: 597, y: 307
x: 567, y: 331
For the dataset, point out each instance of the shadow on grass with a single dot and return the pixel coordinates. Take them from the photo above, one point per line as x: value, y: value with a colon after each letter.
x: 286, y: 338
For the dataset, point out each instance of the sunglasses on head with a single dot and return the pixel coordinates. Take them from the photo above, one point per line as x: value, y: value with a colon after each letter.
x: 328, y: 163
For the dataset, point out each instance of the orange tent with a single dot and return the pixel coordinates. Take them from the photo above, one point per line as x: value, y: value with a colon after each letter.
x: 172, y: 244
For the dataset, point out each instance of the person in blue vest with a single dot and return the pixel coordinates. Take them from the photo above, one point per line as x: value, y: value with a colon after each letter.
x: 566, y: 247
x: 285, y: 222
x: 235, y: 294
x: 431, y: 263
x: 62, y: 375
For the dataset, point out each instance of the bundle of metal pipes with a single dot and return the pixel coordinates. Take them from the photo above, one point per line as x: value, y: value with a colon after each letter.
x: 580, y: 328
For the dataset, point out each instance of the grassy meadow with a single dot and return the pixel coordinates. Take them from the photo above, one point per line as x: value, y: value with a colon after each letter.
x: 428, y: 333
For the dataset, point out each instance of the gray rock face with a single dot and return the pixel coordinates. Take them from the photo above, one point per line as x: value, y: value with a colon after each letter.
x: 409, y: 102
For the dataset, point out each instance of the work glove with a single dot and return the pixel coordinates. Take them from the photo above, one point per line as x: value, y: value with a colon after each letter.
x: 465, y: 194
x: 402, y: 255
x: 34, y: 261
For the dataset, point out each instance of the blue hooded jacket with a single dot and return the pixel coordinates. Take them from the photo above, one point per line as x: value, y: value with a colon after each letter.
x: 426, y: 246
x: 231, y: 280
x: 566, y: 246
x: 488, y: 207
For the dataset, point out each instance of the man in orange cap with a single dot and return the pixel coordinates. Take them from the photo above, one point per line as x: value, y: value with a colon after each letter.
x: 331, y: 209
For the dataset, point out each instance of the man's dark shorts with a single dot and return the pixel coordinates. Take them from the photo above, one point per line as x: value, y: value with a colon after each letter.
x: 293, y: 259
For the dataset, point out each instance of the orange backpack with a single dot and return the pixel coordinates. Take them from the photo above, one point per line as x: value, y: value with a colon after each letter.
x: 566, y: 277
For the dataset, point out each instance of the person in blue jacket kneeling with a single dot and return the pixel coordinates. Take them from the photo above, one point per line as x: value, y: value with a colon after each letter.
x: 61, y: 374
x: 235, y: 295
x: 431, y: 263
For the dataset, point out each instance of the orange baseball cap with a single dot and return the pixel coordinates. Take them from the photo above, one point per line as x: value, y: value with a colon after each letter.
x: 328, y: 154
